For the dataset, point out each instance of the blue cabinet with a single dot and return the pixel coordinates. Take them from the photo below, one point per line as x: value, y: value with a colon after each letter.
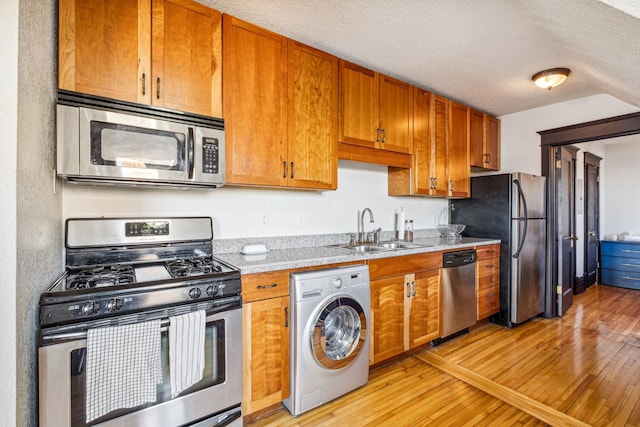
x: 620, y: 264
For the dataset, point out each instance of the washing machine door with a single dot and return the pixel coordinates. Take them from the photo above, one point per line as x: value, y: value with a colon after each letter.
x: 338, y: 332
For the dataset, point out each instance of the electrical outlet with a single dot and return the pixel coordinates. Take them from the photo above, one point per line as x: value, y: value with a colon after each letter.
x: 263, y: 219
x: 302, y: 219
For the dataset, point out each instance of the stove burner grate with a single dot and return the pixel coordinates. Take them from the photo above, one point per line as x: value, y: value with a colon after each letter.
x: 111, y: 275
x: 195, y: 266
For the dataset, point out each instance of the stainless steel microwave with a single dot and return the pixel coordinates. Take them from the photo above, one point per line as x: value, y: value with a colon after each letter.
x: 109, y: 142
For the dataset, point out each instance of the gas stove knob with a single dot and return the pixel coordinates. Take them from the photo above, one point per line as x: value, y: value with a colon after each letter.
x: 114, y: 304
x: 90, y: 308
x: 194, y: 293
x: 212, y: 290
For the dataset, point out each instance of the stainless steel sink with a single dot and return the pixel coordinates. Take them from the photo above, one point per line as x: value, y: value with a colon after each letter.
x: 365, y: 247
x: 377, y: 247
x: 399, y: 245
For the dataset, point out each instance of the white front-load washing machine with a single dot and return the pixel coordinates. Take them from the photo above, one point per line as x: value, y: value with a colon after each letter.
x: 329, y: 335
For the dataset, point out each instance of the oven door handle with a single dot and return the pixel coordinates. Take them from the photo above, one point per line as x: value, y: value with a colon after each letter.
x: 212, y: 314
x: 190, y: 152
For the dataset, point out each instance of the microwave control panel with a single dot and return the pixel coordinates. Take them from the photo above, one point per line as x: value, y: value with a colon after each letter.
x: 210, y: 155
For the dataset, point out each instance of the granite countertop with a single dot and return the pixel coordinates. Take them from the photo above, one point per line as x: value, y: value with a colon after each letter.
x: 292, y: 258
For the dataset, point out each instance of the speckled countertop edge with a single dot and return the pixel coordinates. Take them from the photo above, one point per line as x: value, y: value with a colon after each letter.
x: 288, y: 258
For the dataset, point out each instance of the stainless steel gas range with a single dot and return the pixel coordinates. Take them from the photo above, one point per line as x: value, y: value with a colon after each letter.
x: 153, y: 283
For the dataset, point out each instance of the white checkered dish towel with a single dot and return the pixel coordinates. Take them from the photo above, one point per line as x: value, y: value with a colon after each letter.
x: 123, y: 367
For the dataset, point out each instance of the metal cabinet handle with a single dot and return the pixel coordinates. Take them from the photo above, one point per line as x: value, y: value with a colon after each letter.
x: 273, y: 285
x: 286, y: 317
x: 631, y: 278
x: 415, y: 289
x: 631, y: 265
x: 284, y: 169
x: 384, y: 135
x: 630, y: 251
x: 408, y: 289
x: 158, y: 88
x: 451, y: 185
x: 144, y: 83
x: 378, y: 135
x: 293, y: 171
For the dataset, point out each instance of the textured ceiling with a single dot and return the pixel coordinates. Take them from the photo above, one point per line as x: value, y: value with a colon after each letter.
x: 481, y: 53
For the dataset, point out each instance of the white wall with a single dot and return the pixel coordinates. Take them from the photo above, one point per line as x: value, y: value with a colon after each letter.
x: 519, y: 138
x: 239, y: 212
x: 8, y: 124
x: 622, y: 188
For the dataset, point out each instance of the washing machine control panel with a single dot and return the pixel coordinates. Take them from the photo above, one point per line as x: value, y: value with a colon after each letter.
x: 349, y: 281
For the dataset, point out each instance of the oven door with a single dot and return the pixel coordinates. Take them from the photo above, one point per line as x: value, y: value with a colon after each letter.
x: 63, y: 377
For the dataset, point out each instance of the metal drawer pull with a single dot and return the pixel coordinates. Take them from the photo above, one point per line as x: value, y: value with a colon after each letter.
x: 490, y: 265
x: 158, y: 89
x: 273, y: 285
x: 144, y: 84
x: 631, y: 265
x: 286, y: 317
x: 631, y: 278
x: 408, y: 290
x: 415, y: 289
x: 630, y: 251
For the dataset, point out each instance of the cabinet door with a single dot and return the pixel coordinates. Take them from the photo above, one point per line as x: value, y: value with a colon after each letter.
x: 312, y: 118
x: 458, y: 150
x: 105, y: 48
x: 396, y: 115
x: 265, y: 340
x: 440, y: 135
x: 492, y: 142
x: 186, y: 55
x: 477, y: 153
x: 388, y: 308
x: 359, y: 96
x: 255, y: 104
x: 424, y: 320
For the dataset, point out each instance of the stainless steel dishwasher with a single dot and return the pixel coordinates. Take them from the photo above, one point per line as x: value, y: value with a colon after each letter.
x: 459, y: 306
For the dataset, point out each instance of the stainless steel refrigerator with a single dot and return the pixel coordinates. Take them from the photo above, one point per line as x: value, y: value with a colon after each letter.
x: 511, y: 207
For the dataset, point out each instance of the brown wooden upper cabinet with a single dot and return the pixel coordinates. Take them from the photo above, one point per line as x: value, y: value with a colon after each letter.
x: 459, y: 174
x: 428, y: 173
x: 280, y: 109
x: 161, y: 52
x: 376, y: 111
x: 484, y: 141
x: 440, y: 164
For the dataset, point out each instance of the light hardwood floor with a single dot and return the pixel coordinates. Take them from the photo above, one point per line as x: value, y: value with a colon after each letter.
x: 582, y: 369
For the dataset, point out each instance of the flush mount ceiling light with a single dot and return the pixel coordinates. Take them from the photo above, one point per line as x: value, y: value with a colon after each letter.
x: 550, y: 78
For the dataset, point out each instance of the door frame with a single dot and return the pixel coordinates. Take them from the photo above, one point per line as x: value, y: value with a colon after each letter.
x: 612, y: 127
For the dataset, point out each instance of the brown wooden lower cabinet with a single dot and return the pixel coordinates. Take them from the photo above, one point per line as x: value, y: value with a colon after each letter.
x: 405, y: 305
x: 488, y: 280
x: 265, y: 340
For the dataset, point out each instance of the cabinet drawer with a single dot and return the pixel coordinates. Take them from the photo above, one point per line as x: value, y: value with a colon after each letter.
x: 629, y: 250
x: 488, y: 301
x: 488, y: 273
x: 487, y: 251
x: 261, y: 286
x: 401, y: 265
x: 621, y: 263
x: 624, y: 279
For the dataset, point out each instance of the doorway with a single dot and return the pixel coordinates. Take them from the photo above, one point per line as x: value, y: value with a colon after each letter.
x: 612, y: 127
x: 591, y: 218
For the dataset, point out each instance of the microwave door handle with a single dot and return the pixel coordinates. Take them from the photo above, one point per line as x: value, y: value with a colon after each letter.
x: 190, y: 162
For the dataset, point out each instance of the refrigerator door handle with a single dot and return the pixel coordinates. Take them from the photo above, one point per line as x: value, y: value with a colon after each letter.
x: 524, y: 218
